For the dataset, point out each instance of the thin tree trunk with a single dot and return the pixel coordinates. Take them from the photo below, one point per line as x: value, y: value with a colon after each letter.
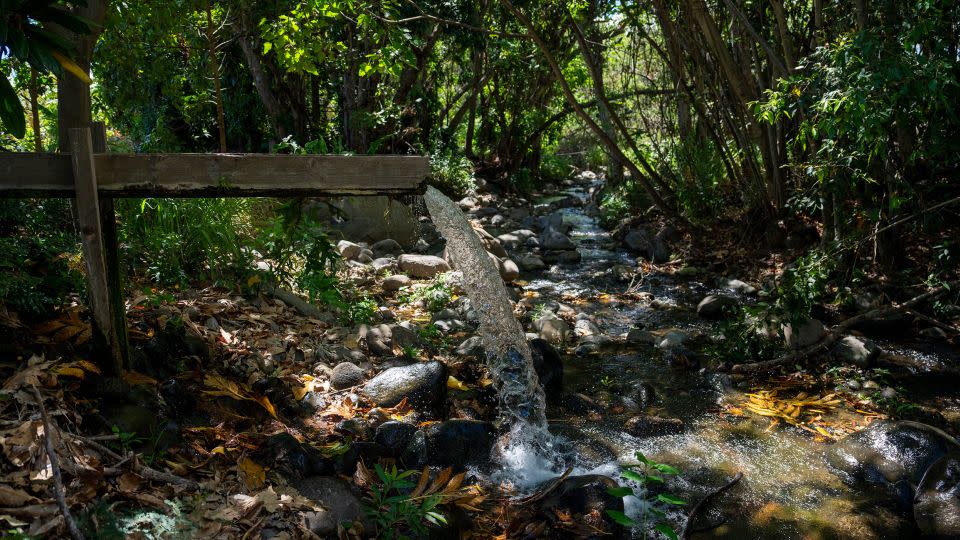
x: 35, y: 111
x: 215, y: 73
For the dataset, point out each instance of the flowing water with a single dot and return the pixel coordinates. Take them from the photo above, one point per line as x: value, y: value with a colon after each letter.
x: 787, y: 491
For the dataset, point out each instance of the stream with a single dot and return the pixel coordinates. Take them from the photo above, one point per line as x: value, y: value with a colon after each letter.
x: 787, y: 491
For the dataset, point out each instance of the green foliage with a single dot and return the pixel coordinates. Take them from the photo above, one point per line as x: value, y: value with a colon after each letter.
x: 397, y: 514
x: 359, y: 311
x: 39, y: 257
x: 647, y: 472
x: 523, y: 181
x: 701, y: 184
x: 555, y: 169
x: 741, y: 337
x: 435, y: 296
x: 125, y: 440
x: 451, y: 173
x: 181, y: 240
x: 802, y: 286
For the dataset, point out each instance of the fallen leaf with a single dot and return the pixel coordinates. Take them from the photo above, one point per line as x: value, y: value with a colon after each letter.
x: 252, y: 474
x: 455, y: 384
x: 13, y: 497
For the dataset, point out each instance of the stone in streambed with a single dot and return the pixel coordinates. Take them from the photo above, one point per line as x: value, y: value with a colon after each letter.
x: 531, y: 262
x: 651, y: 426
x: 553, y: 240
x: 716, y: 306
x: 339, y: 501
x: 857, y: 351
x: 552, y: 329
x: 422, y: 266
x: 424, y: 385
x: 651, y: 247
x: 394, y: 436
x: 396, y: 282
x: 804, y: 334
x: 580, y: 496
x: 345, y: 375
x: 936, y: 507
x: 548, y: 364
x: 454, y: 443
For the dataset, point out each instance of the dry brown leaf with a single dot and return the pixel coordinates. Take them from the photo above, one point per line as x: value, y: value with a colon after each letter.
x: 13, y: 497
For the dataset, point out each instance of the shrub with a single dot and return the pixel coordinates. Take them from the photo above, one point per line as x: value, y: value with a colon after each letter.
x: 451, y: 173
x: 555, y: 169
x: 645, y: 473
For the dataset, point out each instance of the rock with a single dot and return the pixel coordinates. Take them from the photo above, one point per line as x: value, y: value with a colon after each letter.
x: 348, y: 250
x: 293, y: 459
x: 871, y: 385
x: 553, y: 240
x: 509, y: 241
x: 339, y: 503
x: 715, y: 306
x: 358, y: 428
x: 580, y: 404
x: 934, y: 332
x: 673, y: 339
x: 640, y: 397
x: 585, y: 327
x: 394, y: 436
x: 651, y: 247
x: 857, y: 351
x: 456, y: 443
x: 566, y: 257
x: 387, y: 247
x: 498, y: 221
x: 548, y: 364
x: 508, y: 270
x: 424, y: 385
x: 888, y: 393
x: 472, y: 346
x: 396, y: 282
x: 650, y: 426
x: 891, y: 455
x: 212, y: 324
x: 581, y: 496
x: 376, y: 340
x: 489, y: 243
x: 422, y: 266
x: 552, y: 329
x: 936, y: 506
x: 803, y: 335
x: 531, y: 262
x: 402, y: 336
x: 382, y: 263
x: 741, y: 287
x: 346, y: 375
x: 640, y: 336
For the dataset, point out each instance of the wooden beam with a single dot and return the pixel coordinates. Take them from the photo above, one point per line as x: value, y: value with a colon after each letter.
x: 218, y: 175
x: 88, y: 215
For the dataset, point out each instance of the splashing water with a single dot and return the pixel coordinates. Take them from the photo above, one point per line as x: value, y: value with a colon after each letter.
x: 528, y: 446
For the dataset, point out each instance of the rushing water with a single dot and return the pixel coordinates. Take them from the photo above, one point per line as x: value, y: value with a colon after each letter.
x: 528, y: 446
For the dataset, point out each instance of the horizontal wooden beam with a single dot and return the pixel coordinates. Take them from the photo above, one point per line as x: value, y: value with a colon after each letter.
x: 215, y: 175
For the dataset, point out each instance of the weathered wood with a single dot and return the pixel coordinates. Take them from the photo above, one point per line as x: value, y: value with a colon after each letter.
x: 111, y: 255
x: 225, y: 175
x: 88, y: 216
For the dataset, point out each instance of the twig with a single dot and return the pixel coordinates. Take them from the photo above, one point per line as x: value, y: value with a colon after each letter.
x: 543, y: 493
x: 687, y: 531
x: 137, y: 467
x: 931, y: 320
x: 58, y: 490
x: 837, y: 331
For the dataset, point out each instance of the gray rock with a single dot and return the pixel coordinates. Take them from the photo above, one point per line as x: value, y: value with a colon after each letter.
x: 936, y: 506
x: 857, y: 351
x: 888, y: 393
x: 382, y: 263
x: 394, y: 436
x: 741, y: 287
x: 422, y: 266
x: 508, y: 270
x: 715, y: 306
x: 348, y: 250
x: 934, y: 332
x: 376, y: 340
x: 553, y: 240
x: 871, y: 385
x: 531, y: 262
x: 472, y: 346
x: 387, y: 247
x: 567, y: 257
x: 346, y: 375
x: 673, y: 339
x: 641, y: 241
x: 457, y: 443
x: 585, y: 327
x: 424, y: 385
x: 396, y: 282
x: 339, y: 502
x: 650, y: 426
x: 640, y: 336
x: 803, y: 335
x: 552, y: 329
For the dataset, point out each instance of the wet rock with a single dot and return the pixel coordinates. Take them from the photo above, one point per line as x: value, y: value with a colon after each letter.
x: 472, y: 346
x: 345, y: 375
x: 651, y: 426
x: 804, y: 334
x: 348, y: 250
x: 554, y: 240
x: 716, y: 306
x: 396, y: 282
x: 339, y: 502
x: 548, y: 364
x: 424, y: 385
x: 890, y: 455
x: 640, y: 397
x: 422, y: 266
x: 582, y: 496
x: 639, y: 336
x: 741, y: 287
x: 387, y: 247
x: 857, y: 351
x: 936, y: 507
x: 531, y: 262
x: 358, y: 428
x: 934, y: 332
x: 673, y: 339
x: 580, y: 404
x: 641, y: 241
x: 566, y: 257
x: 394, y: 436
x: 552, y: 329
x: 454, y: 443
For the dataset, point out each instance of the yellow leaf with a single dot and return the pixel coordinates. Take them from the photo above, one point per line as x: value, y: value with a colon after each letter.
x: 486, y: 381
x: 69, y: 371
x: 72, y: 67
x: 88, y: 366
x: 455, y: 384
x: 138, y: 379
x: 219, y: 450
x: 265, y: 403
x: 253, y: 280
x: 253, y: 475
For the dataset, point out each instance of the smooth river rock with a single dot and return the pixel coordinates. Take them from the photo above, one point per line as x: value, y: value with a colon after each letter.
x: 422, y: 266
x: 456, y: 443
x: 424, y: 385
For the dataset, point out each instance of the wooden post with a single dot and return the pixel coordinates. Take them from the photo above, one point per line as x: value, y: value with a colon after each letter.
x: 88, y: 216
x: 108, y: 229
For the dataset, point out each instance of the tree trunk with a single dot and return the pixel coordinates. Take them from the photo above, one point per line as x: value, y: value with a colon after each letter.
x: 35, y: 111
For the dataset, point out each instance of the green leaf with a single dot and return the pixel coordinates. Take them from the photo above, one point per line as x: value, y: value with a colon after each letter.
x: 621, y: 518
x: 619, y: 491
x: 666, y: 469
x: 670, y: 499
x: 633, y: 475
x: 267, y: 45
x: 642, y: 458
x: 11, y: 110
x: 666, y: 530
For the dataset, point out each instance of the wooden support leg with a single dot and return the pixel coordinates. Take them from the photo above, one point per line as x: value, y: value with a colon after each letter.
x: 108, y: 229
x: 88, y: 209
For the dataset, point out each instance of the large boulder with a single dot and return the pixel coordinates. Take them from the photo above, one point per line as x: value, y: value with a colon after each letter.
x: 422, y: 266
x: 895, y: 457
x: 553, y: 240
x: 424, y: 385
x: 456, y: 443
x: 936, y: 507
